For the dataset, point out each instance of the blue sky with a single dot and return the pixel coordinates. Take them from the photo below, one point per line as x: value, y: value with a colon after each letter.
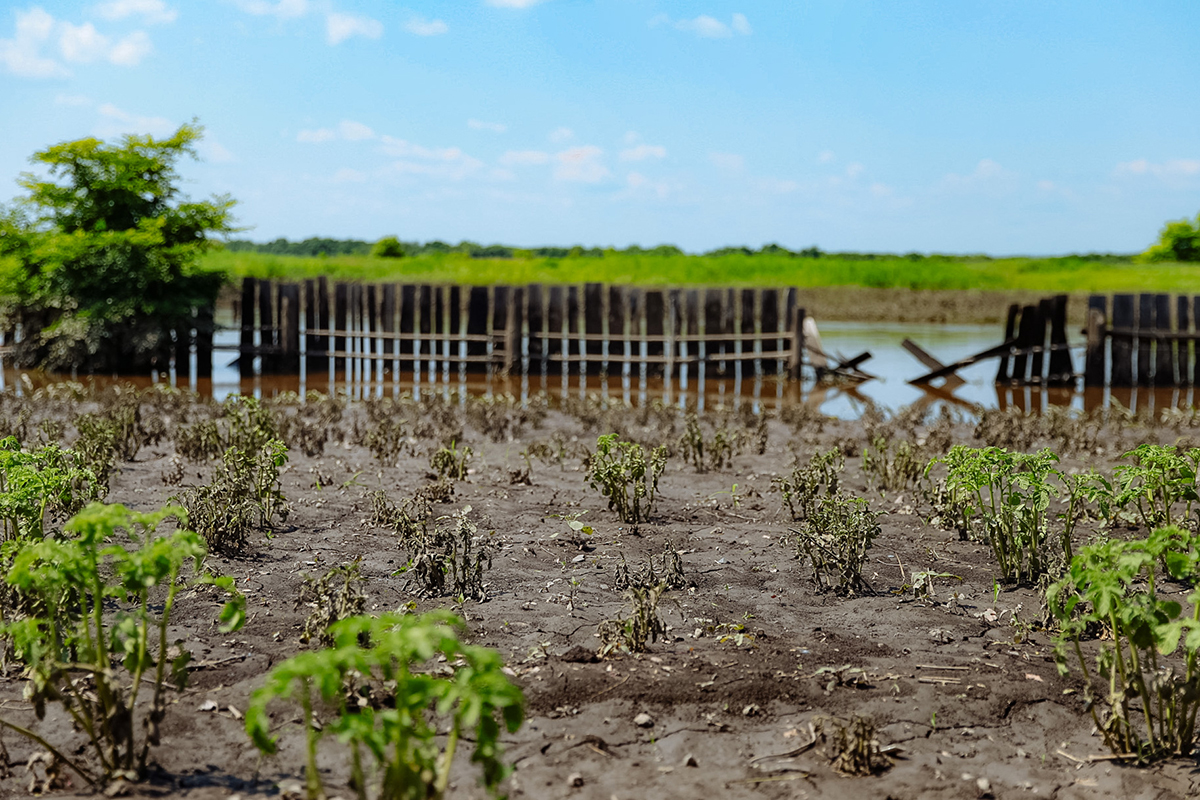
x: 958, y: 126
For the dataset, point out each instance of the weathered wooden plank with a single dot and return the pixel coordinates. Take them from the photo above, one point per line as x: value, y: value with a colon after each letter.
x: 478, y: 310
x: 372, y: 320
x: 534, y: 309
x: 1145, y: 322
x: 655, y: 315
x: 387, y: 323
x: 268, y: 335
x: 1123, y: 316
x: 1183, y: 355
x: 289, y: 324
x: 323, y: 318
x: 1062, y: 370
x: 593, y: 320
x: 1095, y: 359
x: 204, y: 341
x: 341, y: 311
x: 1036, y: 361
x: 245, y: 359
x: 1003, y: 372
x: 615, y: 325
x: 1164, y: 351
x: 1026, y: 337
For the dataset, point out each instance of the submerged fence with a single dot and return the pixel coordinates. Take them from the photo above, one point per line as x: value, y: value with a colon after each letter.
x: 1148, y: 340
x: 589, y: 329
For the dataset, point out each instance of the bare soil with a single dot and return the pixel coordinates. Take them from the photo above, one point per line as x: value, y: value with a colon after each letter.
x: 972, y: 703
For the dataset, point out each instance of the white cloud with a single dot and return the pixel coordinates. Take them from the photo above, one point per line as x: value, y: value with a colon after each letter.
x: 131, y: 50
x: 581, y: 165
x: 480, y: 125
x: 214, y: 152
x: 728, y: 162
x: 348, y: 130
x: 1046, y: 186
x: 524, y: 158
x: 514, y: 3
x: 152, y: 12
x: 423, y: 27
x: 643, y: 151
x: 115, y: 121
x: 988, y: 175
x: 82, y: 43
x: 340, y: 27
x: 560, y: 135
x: 75, y: 100
x: 853, y: 170
x: 22, y: 55
x: 77, y: 44
x: 637, y: 182
x: 401, y: 148
x: 825, y: 156
x: 354, y: 131
x: 882, y: 190
x: 283, y: 9
x: 1173, y: 169
x: 707, y: 27
x: 316, y: 136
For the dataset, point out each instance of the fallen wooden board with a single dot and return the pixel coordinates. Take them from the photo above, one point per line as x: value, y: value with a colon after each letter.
x: 991, y: 352
x: 926, y: 358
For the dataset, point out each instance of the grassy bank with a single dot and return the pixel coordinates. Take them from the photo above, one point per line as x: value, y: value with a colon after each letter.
x: 1070, y: 274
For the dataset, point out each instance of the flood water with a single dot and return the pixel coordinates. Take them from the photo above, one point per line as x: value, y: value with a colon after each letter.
x: 891, y: 368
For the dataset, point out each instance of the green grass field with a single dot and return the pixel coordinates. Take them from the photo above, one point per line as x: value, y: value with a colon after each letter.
x: 1071, y: 274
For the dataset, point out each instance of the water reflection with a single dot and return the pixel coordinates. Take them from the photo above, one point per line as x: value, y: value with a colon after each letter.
x: 693, y: 386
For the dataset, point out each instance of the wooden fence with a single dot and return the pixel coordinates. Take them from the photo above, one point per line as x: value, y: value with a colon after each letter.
x: 579, y: 329
x: 1031, y: 333
x: 1149, y: 340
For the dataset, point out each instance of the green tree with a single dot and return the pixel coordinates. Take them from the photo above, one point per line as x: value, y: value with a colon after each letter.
x: 99, y: 261
x: 1178, y: 241
x: 388, y: 247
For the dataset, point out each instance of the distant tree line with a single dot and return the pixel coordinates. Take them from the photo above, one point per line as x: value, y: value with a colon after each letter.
x: 393, y: 247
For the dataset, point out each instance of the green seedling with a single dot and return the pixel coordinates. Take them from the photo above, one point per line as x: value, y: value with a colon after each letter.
x: 734, y: 500
x: 389, y: 706
x: 1008, y: 494
x: 99, y: 671
x: 1159, y: 478
x: 1142, y: 704
x: 622, y: 472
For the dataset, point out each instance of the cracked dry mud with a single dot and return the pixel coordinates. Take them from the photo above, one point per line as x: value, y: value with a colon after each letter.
x: 973, y: 704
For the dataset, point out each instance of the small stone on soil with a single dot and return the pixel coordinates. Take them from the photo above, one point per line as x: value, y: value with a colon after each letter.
x: 644, y: 720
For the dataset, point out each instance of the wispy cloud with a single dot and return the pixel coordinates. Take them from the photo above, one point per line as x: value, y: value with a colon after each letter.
x: 707, y: 27
x: 480, y: 125
x: 728, y: 162
x: 422, y: 27
x: 115, y: 121
x: 282, y: 9
x: 580, y: 165
x: 514, y: 3
x: 637, y: 183
x: 523, y: 158
x: 1173, y: 169
x: 152, y: 12
x: 347, y: 130
x: 37, y: 30
x: 988, y: 175
x: 560, y: 135
x: 641, y: 152
x: 340, y: 27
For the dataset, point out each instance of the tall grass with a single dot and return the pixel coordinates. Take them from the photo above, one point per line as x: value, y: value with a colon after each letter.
x: 1070, y: 274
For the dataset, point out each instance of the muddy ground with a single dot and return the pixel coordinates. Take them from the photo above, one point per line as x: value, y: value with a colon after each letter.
x: 971, y: 702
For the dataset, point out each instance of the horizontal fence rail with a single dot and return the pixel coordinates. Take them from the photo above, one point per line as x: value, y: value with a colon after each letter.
x: 594, y: 329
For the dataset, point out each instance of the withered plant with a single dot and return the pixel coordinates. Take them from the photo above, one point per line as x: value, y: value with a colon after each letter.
x: 851, y: 746
x: 643, y: 625
x: 450, y: 558
x: 835, y: 538
x: 806, y: 483
x: 334, y: 596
